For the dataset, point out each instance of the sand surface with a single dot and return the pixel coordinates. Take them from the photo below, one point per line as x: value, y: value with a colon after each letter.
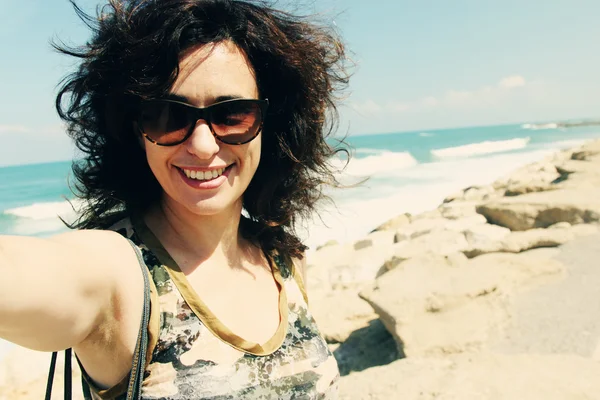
x: 562, y: 317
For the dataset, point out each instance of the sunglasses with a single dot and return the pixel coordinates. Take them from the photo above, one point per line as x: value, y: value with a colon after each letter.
x: 170, y: 122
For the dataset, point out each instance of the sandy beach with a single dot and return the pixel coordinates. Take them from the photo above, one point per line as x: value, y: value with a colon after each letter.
x: 493, y: 294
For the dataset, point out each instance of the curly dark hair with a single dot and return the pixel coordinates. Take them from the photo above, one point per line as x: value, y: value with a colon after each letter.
x: 134, y: 54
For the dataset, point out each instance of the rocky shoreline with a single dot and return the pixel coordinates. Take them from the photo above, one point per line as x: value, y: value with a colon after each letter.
x: 414, y: 310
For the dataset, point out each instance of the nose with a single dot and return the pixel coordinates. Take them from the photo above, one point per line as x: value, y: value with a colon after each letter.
x: 202, y: 142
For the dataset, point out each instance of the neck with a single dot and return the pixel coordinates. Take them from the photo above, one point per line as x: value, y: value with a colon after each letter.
x: 197, y: 237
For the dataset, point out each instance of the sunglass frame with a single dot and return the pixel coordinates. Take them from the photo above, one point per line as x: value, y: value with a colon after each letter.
x: 203, y: 113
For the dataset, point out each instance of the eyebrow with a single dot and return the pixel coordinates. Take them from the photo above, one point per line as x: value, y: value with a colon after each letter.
x: 184, y: 99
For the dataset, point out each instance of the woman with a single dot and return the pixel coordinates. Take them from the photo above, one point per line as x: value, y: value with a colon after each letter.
x: 202, y: 123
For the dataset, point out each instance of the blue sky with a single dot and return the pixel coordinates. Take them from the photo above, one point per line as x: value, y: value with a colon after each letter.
x: 420, y: 65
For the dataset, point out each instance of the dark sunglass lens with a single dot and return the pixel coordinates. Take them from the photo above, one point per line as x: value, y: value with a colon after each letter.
x: 164, y: 122
x: 236, y: 121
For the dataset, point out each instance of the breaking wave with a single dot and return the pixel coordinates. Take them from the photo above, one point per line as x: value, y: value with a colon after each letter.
x: 476, y: 149
x: 382, y: 163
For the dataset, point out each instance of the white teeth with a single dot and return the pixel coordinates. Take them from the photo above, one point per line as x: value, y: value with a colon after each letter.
x: 200, y: 175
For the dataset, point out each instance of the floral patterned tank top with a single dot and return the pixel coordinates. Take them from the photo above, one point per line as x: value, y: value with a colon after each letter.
x: 192, y: 355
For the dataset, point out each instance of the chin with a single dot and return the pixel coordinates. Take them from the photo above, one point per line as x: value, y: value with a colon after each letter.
x: 212, y: 206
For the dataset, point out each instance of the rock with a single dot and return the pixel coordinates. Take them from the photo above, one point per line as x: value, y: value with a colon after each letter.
x: 530, y: 178
x: 481, y: 235
x: 426, y: 259
x: 458, y: 210
x: 476, y: 377
x: 457, y: 196
x: 585, y: 230
x: 421, y: 227
x: 516, y: 242
x: 579, y: 174
x: 339, y: 313
x: 532, y: 186
x: 377, y: 238
x: 561, y: 225
x: 587, y: 151
x: 331, y: 255
x: 472, y: 193
x: 442, y: 243
x: 362, y: 267
x: 465, y: 223
x: 535, y: 238
x: 433, y: 308
x: 478, y: 193
x: 401, y: 236
x: 393, y: 224
x: 578, y: 167
x: 425, y: 226
x: 326, y: 244
x: 457, y: 259
x: 321, y: 261
x: 419, y: 304
x: 596, y: 352
x: 431, y: 214
x: 543, y: 209
x: 365, y: 348
x: 361, y: 244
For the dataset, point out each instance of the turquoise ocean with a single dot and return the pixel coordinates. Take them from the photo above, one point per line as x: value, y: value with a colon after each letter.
x: 408, y: 172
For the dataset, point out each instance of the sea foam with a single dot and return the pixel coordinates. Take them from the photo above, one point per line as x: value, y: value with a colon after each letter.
x: 381, y: 163
x: 481, y: 148
x: 40, y: 211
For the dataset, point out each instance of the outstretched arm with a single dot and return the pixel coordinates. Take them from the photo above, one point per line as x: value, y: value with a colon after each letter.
x: 54, y: 293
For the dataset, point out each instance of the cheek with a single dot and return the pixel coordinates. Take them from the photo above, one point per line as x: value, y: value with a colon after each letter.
x: 156, y: 160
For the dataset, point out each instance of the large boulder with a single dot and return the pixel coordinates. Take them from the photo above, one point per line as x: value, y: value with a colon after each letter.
x: 360, y: 267
x: 433, y: 307
x: 377, y: 238
x: 543, y: 209
x: 588, y: 152
x: 424, y: 226
x: 476, y: 377
x: 443, y: 243
x: 394, y: 223
x: 458, y: 210
x: 430, y: 307
x: 320, y: 262
x: 534, y: 177
x: 340, y: 313
x: 516, y: 242
x: 473, y: 193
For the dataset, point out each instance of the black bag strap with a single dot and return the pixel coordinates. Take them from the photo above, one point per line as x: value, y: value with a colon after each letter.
x: 134, y: 388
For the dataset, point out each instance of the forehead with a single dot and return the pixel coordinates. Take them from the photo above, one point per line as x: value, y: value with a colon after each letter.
x: 215, y: 70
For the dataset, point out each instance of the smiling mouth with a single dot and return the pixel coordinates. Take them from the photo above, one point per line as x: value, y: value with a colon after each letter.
x: 204, y: 175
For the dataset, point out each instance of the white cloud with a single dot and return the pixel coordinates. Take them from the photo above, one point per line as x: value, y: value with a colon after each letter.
x: 430, y: 101
x: 512, y: 81
x: 367, y: 108
x: 13, y: 129
x: 397, y: 106
x: 47, y: 130
x: 488, y: 95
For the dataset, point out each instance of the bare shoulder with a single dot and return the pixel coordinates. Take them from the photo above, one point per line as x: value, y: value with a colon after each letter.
x: 93, y: 240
